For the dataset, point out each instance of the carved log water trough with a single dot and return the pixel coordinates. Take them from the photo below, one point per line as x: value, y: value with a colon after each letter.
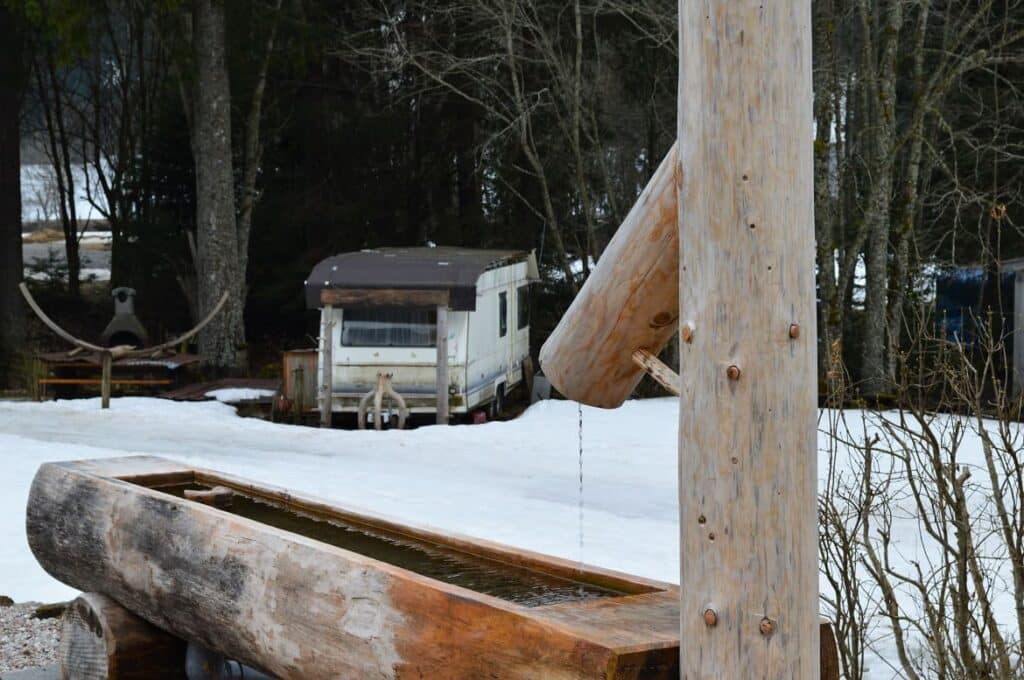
x: 260, y: 581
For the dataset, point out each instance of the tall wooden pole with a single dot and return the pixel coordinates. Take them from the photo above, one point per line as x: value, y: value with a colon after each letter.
x: 747, y: 472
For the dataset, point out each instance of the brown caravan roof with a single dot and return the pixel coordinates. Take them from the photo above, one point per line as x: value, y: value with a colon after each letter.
x: 455, y: 270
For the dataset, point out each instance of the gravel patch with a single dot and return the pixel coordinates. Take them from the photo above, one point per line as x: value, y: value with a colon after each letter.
x: 27, y: 642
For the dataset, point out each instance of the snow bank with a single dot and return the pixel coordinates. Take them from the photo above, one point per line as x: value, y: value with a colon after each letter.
x: 513, y: 482
x: 234, y: 395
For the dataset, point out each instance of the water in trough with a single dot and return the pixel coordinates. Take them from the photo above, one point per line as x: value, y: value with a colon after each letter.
x: 522, y: 586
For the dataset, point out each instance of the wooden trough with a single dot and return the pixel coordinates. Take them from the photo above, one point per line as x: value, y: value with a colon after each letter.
x: 262, y: 577
x: 299, y: 607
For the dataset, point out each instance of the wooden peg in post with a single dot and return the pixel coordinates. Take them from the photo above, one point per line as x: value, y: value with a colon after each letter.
x: 657, y: 369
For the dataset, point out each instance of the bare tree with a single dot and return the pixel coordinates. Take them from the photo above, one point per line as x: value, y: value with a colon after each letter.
x: 223, y: 209
x: 892, y: 77
x: 12, y: 83
x: 537, y: 70
x: 924, y: 521
x: 52, y: 95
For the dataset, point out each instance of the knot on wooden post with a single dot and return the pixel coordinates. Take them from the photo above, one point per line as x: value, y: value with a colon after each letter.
x: 710, y: 617
x: 733, y: 372
x: 686, y: 332
x: 767, y: 626
x: 662, y: 319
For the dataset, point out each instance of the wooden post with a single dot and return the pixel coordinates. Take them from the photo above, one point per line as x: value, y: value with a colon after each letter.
x: 101, y: 640
x: 326, y: 365
x: 747, y: 447
x: 300, y: 393
x: 442, y: 364
x: 106, y: 362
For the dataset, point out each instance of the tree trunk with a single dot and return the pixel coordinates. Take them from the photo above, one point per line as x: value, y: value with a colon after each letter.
x: 217, y: 237
x: 874, y: 375
x: 824, y: 216
x: 12, y: 80
x: 252, y: 159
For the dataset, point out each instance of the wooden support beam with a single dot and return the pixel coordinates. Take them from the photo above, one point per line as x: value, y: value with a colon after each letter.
x: 130, y: 382
x: 106, y: 362
x: 382, y: 297
x: 442, y: 364
x: 326, y: 365
x: 829, y: 665
x: 747, y: 444
x: 656, y: 368
x: 101, y: 640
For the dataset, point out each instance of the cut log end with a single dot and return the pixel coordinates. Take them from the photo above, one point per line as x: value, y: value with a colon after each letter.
x: 101, y: 640
x: 83, y: 648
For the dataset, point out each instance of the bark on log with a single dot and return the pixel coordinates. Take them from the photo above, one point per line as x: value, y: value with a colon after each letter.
x: 630, y: 302
x: 303, y: 609
x: 299, y: 608
x: 101, y: 640
x: 748, y: 404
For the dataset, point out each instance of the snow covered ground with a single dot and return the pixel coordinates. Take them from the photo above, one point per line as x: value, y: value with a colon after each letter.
x: 515, y: 482
x: 234, y: 395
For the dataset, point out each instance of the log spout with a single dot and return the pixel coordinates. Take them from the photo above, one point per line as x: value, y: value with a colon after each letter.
x: 630, y: 302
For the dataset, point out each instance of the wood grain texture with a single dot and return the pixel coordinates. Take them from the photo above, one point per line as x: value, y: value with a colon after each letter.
x: 101, y: 640
x: 302, y: 609
x: 298, y: 608
x: 383, y: 297
x: 831, y: 668
x: 659, y: 372
x: 629, y: 302
x: 747, y: 449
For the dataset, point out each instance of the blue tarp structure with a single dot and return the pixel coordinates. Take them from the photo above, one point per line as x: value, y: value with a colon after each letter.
x: 958, y: 303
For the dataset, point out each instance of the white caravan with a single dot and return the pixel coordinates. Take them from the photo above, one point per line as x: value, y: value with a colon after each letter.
x: 381, y: 312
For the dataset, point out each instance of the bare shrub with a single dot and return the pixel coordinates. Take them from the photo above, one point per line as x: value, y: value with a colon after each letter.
x: 922, y: 514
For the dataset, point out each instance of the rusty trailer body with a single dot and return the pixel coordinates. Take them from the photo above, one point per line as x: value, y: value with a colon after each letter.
x: 449, y: 325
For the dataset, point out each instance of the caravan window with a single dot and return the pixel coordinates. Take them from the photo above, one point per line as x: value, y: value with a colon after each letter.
x: 522, y: 307
x: 389, y: 328
x: 502, y: 314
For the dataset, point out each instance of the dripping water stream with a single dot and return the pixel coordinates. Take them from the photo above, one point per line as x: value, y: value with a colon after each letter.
x: 579, y: 407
